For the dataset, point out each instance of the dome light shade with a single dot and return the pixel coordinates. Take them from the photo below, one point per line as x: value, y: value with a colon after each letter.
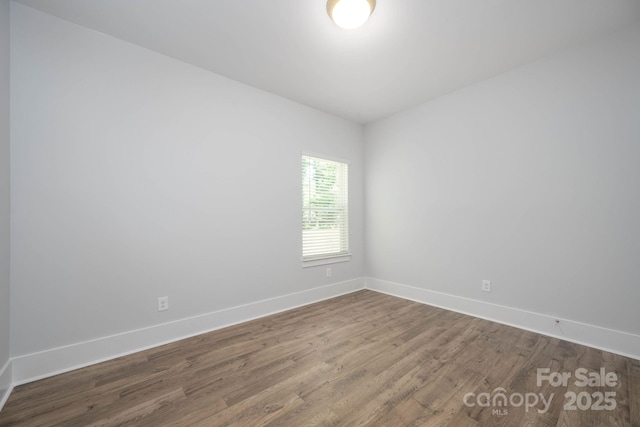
x: 350, y: 14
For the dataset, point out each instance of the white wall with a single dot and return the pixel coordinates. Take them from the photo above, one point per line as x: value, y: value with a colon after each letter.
x: 4, y: 197
x: 136, y: 176
x: 530, y: 179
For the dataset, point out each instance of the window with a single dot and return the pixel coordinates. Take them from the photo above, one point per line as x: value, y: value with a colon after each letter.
x: 325, y: 211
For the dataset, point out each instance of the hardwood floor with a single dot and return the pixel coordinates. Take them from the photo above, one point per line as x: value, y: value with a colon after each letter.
x: 360, y: 359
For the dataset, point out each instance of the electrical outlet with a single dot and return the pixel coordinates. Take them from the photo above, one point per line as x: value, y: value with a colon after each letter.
x: 486, y: 285
x: 329, y: 272
x: 163, y: 303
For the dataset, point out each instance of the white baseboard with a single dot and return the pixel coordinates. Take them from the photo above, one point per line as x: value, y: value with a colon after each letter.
x: 6, y: 382
x: 31, y: 367
x: 622, y: 343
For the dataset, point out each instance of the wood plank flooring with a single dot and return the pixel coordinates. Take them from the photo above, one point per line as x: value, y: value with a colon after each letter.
x: 360, y: 359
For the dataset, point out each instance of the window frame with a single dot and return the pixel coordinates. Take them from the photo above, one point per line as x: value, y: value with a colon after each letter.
x: 326, y: 258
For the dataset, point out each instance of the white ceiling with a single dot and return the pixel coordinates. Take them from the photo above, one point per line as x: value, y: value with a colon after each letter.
x: 409, y: 52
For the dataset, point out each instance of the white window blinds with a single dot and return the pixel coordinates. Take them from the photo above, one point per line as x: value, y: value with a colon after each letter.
x: 325, y: 210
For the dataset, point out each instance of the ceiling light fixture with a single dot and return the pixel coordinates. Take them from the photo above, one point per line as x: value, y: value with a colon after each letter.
x: 350, y: 14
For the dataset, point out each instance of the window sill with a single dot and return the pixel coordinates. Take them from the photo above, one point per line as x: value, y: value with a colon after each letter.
x: 324, y: 261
